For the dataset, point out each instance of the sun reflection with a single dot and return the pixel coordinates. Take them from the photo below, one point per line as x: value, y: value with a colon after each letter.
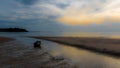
x: 90, y: 34
x: 82, y: 34
x: 87, y: 59
x: 115, y: 37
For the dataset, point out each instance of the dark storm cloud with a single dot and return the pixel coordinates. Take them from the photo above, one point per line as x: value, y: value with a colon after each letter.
x: 27, y: 2
x: 62, y: 5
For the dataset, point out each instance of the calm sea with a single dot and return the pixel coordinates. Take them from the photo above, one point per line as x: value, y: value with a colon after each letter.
x: 71, y: 34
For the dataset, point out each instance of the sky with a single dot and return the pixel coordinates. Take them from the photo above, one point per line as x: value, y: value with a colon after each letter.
x: 61, y: 15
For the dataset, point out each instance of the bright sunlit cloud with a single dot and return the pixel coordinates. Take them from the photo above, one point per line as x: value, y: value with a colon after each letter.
x: 85, y: 13
x: 70, y: 12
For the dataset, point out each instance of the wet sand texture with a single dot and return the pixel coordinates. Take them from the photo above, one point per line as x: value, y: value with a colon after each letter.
x: 5, y: 39
x: 17, y: 55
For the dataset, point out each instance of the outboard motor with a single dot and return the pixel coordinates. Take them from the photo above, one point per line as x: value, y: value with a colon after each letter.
x: 37, y: 44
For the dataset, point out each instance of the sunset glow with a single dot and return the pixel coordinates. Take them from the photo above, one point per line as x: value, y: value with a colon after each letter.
x: 76, y: 14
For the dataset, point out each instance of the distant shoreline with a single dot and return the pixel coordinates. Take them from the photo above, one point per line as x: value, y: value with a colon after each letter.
x: 101, y: 45
x: 12, y: 30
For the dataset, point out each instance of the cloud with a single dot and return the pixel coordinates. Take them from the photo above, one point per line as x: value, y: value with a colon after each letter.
x: 71, y: 12
x: 27, y: 2
x: 84, y: 13
x: 35, y: 15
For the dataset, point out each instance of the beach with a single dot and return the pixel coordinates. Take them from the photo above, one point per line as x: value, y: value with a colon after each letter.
x: 97, y: 44
x: 5, y: 39
x: 17, y: 54
x: 14, y: 54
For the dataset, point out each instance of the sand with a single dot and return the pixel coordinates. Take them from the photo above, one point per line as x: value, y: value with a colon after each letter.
x: 101, y: 45
x: 5, y: 39
x: 15, y: 54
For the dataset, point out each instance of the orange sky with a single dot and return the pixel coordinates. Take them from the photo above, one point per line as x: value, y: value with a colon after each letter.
x: 107, y: 12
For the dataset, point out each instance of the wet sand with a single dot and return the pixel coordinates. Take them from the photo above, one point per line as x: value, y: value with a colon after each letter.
x: 101, y: 45
x: 5, y: 39
x: 15, y: 54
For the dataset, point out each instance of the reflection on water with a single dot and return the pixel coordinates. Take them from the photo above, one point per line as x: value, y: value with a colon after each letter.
x: 85, y: 59
x: 73, y: 34
x: 93, y: 34
x: 81, y: 58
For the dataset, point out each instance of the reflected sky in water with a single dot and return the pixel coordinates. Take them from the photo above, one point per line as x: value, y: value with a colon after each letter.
x: 93, y: 34
x: 86, y: 59
x: 60, y: 33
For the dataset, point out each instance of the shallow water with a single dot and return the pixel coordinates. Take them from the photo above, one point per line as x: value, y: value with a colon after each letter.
x: 79, y: 58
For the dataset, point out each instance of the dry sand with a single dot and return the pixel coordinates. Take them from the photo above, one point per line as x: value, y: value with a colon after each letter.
x: 15, y: 54
x: 102, y: 45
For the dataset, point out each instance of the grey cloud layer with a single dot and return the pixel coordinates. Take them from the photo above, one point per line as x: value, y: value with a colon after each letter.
x: 27, y: 2
x: 38, y: 10
x: 42, y: 8
x: 29, y: 14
